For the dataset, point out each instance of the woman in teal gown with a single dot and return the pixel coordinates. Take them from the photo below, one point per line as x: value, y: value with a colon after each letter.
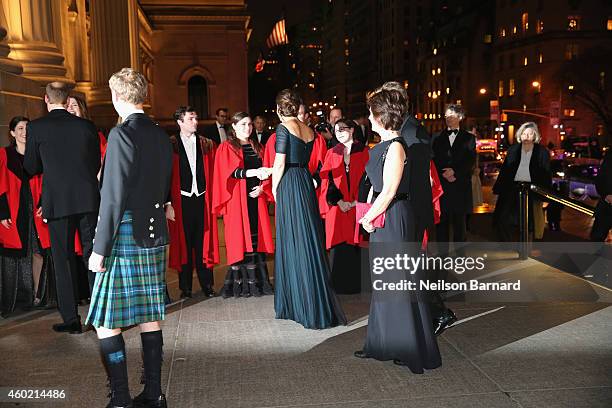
x: 302, y: 288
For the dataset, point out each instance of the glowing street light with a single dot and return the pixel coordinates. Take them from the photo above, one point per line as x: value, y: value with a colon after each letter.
x: 482, y: 91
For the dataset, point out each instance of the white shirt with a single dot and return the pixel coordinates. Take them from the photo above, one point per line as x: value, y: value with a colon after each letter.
x: 189, y: 143
x: 259, y: 135
x: 452, y: 136
x: 222, y: 134
x: 522, y: 173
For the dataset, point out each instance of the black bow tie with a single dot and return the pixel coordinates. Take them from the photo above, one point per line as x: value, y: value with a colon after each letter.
x: 453, y: 131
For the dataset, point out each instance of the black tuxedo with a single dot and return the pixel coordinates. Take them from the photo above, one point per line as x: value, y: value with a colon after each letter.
x: 265, y: 135
x: 193, y: 208
x: 136, y: 177
x: 456, y: 202
x: 212, y: 132
x: 67, y: 149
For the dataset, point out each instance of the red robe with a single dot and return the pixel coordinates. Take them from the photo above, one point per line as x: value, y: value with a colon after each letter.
x: 317, y: 157
x: 230, y: 201
x: 11, y: 185
x: 340, y: 226
x: 436, y: 193
x: 178, y: 246
x: 103, y: 143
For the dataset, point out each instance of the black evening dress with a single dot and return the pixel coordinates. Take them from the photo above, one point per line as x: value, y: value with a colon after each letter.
x: 400, y: 324
x: 302, y: 289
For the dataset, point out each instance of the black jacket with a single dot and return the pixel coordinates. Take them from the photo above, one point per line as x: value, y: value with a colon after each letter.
x: 603, y: 182
x: 265, y: 135
x: 136, y: 177
x: 539, y: 168
x: 212, y: 132
x: 457, y: 197
x: 67, y: 149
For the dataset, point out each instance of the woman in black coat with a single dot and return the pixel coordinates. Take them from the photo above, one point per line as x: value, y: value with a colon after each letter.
x: 526, y: 161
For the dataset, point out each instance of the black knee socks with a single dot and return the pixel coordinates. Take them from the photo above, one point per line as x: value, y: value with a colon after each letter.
x: 152, y: 352
x: 113, y: 350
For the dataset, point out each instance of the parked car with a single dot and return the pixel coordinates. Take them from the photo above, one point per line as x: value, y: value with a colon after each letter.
x: 581, y: 180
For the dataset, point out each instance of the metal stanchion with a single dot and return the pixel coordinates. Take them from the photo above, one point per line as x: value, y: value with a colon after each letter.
x: 523, y: 220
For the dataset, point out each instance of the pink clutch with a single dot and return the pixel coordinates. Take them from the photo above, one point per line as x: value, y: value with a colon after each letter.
x: 363, y: 208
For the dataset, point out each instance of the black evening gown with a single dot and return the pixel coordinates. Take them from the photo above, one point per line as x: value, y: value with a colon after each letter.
x: 400, y: 324
x: 302, y: 291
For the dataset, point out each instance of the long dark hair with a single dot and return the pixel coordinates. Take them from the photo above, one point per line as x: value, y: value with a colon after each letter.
x: 82, y: 106
x: 12, y: 125
x: 233, y: 139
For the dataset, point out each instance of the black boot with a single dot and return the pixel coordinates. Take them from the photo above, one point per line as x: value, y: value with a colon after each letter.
x: 152, y: 353
x: 252, y: 280
x: 245, y: 281
x: 228, y: 283
x: 113, y: 350
x: 238, y: 276
x: 263, y: 277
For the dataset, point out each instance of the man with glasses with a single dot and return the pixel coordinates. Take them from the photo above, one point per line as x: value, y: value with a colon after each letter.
x: 217, y: 132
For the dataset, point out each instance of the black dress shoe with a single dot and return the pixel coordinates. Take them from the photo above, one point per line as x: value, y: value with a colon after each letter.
x: 444, y: 321
x: 73, y: 327
x: 208, y: 291
x: 400, y: 363
x: 111, y: 405
x: 361, y: 354
x: 141, y: 402
x: 186, y: 294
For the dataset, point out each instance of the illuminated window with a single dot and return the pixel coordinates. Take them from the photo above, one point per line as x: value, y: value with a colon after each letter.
x: 447, y: 90
x: 514, y: 30
x: 511, y: 86
x: 433, y: 72
x: 571, y: 51
x: 540, y: 58
x: 525, y: 61
x: 540, y: 27
x: 525, y: 22
x: 502, y: 32
x: 500, y: 89
x: 573, y: 23
x: 488, y: 38
x: 439, y: 70
x: 569, y: 112
x: 609, y: 24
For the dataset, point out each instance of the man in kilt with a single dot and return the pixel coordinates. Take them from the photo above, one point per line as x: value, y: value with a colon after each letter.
x: 129, y: 253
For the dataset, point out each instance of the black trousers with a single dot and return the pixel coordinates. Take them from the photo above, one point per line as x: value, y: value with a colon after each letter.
x: 602, y: 222
x: 456, y: 221
x: 193, y: 226
x: 61, y: 232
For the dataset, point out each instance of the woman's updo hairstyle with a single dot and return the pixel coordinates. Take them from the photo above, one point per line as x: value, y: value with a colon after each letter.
x: 288, y: 102
x: 389, y: 105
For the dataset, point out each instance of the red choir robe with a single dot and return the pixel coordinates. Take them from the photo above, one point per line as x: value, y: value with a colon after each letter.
x: 340, y: 226
x: 10, y: 184
x: 230, y: 201
x: 316, y: 158
x: 436, y: 193
x: 103, y: 143
x: 178, y: 250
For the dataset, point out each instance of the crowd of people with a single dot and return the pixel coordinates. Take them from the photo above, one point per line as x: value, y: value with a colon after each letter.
x: 88, y: 217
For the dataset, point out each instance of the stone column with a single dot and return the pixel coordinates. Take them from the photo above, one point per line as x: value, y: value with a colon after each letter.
x: 6, y: 64
x: 114, y: 45
x: 34, y: 37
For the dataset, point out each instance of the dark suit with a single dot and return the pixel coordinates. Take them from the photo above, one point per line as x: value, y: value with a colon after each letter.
x: 212, y: 132
x: 456, y: 202
x: 603, y: 212
x: 67, y: 149
x: 265, y: 135
x: 193, y: 208
x: 136, y: 177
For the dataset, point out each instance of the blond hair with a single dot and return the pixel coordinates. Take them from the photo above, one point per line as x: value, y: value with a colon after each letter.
x: 524, y: 127
x: 129, y: 85
x: 57, y: 92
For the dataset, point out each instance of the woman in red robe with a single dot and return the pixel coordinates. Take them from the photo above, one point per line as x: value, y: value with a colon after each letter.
x: 24, y: 237
x: 239, y: 197
x: 342, y: 170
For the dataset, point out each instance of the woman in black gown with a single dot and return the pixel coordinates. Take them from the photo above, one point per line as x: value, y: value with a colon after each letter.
x: 302, y: 289
x: 400, y: 325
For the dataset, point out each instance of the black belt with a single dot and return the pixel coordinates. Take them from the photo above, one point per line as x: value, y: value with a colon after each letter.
x: 303, y: 166
x: 398, y: 197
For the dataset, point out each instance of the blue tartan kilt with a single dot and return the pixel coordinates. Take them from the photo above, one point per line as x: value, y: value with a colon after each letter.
x: 133, y: 288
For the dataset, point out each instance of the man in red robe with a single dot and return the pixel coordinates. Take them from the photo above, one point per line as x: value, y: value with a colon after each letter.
x: 192, y: 227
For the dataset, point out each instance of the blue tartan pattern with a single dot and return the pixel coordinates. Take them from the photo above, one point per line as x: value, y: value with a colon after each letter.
x: 133, y: 288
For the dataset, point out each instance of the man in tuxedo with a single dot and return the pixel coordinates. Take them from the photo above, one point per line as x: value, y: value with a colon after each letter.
x: 217, y: 132
x: 454, y: 154
x: 67, y: 149
x: 195, y: 156
x: 328, y: 134
x: 260, y: 130
x: 362, y: 132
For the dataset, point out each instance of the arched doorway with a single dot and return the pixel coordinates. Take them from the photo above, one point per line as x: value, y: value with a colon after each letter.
x: 197, y: 95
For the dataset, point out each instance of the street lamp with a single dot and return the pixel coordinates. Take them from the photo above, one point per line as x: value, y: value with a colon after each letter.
x: 482, y: 91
